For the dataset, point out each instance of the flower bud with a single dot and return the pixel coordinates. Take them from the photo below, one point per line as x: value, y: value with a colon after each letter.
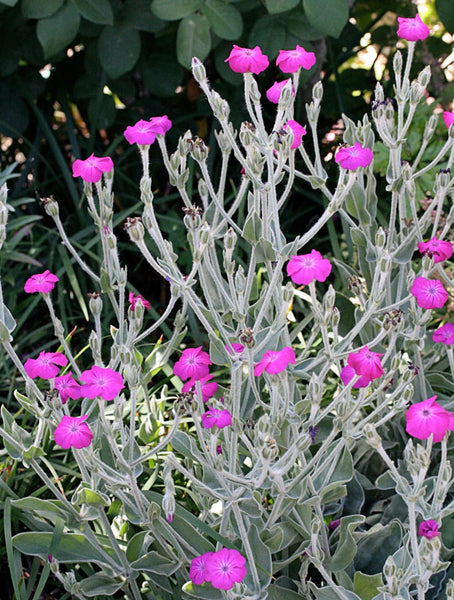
x: 397, y: 64
x: 221, y: 109
x: 430, y: 127
x: 287, y: 293
x: 424, y: 77
x: 198, y: 70
x: 205, y: 234
x: 246, y: 133
x: 240, y: 280
x: 329, y: 299
x: 450, y: 590
x: 407, y: 394
x: 50, y: 206
x: 95, y: 303
x: 379, y: 93
x: 372, y: 437
x: 223, y: 142
x: 380, y: 238
x: 286, y: 96
x: 317, y: 92
x: 416, y: 93
x: 230, y: 239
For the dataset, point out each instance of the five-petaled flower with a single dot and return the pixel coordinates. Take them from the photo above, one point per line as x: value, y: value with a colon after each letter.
x: 247, y: 60
x: 92, y: 168
x: 41, y: 282
x: 160, y: 125
x: 444, y: 334
x: 297, y: 130
x: 275, y: 361
x: 274, y: 92
x: 224, y: 568
x: 412, y: 30
x: 428, y: 418
x: 352, y: 157
x: 67, y: 387
x: 197, y: 569
x: 103, y: 382
x: 428, y: 529
x: 192, y: 364
x: 45, y: 366
x: 133, y: 300
x: 305, y: 268
x: 289, y: 61
x: 140, y: 133
x: 366, y: 363
x: 429, y: 293
x: 73, y: 432
x: 439, y: 250
x: 208, y: 387
x: 215, y: 417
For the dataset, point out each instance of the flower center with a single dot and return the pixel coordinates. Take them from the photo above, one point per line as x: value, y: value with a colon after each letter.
x: 426, y: 413
x: 74, y: 428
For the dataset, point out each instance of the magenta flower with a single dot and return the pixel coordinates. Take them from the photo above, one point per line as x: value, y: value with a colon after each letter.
x: 197, y: 569
x: 224, y: 568
x: 208, y: 387
x: 347, y: 375
x: 247, y: 60
x: 353, y: 157
x: 289, y: 61
x: 305, y: 268
x: 141, y: 133
x: 428, y: 529
x: 275, y: 361
x: 67, y: 387
x: 412, y: 30
x: 274, y: 92
x: 366, y: 363
x: 215, y: 417
x: 426, y: 418
x: 103, y: 382
x: 45, y: 366
x: 444, y: 334
x: 92, y: 168
x: 41, y: 282
x: 160, y: 125
x: 429, y: 293
x: 448, y: 118
x: 132, y: 298
x: 237, y: 348
x: 440, y: 250
x: 298, y: 132
x: 193, y: 364
x: 72, y: 432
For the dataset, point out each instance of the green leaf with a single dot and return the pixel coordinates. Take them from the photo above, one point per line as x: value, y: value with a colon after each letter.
x: 118, y: 50
x: 96, y: 11
x: 47, y: 509
x: 173, y: 10
x: 38, y: 9
x: 262, y: 556
x: 100, y: 584
x: 379, y: 543
x: 446, y: 13
x: 276, y: 592
x: 138, y: 15
x: 279, y: 6
x: 366, y: 586
x: 346, y: 547
x: 162, y: 74
x: 155, y: 563
x: 193, y: 39
x: 102, y: 111
x: 9, y: 2
x: 298, y: 26
x: 269, y: 33
x: 328, y: 16
x: 224, y: 19
x: 55, y: 33
x: 74, y: 281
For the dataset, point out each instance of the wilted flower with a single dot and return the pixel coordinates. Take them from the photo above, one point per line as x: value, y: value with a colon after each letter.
x: 247, y: 60
x: 439, y: 250
x: 160, y: 125
x: 133, y: 300
x: 428, y: 529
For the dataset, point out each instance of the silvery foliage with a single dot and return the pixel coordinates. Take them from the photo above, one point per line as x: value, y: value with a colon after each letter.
x: 300, y: 448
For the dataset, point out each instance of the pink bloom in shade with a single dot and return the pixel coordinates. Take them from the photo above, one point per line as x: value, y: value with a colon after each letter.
x: 67, y: 387
x: 133, y: 300
x: 440, y: 250
x: 305, y: 268
x: 247, y: 60
x: 298, y: 132
x: 275, y: 361
x: 448, y: 118
x: 215, y: 417
x: 289, y: 61
x: 140, y: 133
x: 103, y: 382
x: 274, y: 92
x: 237, y: 348
x: 208, y: 387
x: 412, y: 30
x: 224, y: 568
x: 444, y: 334
x: 45, y: 366
x: 197, y: 569
x: 429, y: 293
x: 41, y: 282
x: 347, y: 375
x: 428, y: 529
x: 92, y: 168
x: 366, y: 363
x: 160, y: 125
x: 352, y: 157
x: 72, y: 432
x: 193, y: 364
x: 426, y: 418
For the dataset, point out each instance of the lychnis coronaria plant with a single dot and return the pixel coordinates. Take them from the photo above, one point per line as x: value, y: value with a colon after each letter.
x: 299, y: 446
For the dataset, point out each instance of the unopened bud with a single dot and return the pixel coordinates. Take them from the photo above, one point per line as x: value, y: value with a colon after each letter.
x: 380, y: 238
x: 416, y: 93
x: 223, y: 141
x: 95, y: 303
x: 424, y: 77
x: 205, y: 234
x: 397, y: 64
x: 450, y: 590
x: 221, y: 109
x: 372, y: 437
x: 198, y: 70
x: 379, y: 93
x: 230, y: 239
x: 317, y: 92
x: 287, y: 293
x: 240, y: 280
x: 430, y: 127
x: 407, y: 394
